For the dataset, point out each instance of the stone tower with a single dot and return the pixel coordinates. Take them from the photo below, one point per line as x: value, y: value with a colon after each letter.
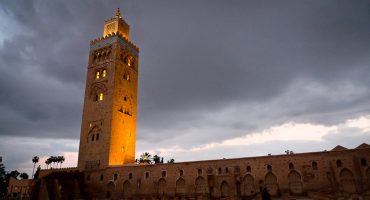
x: 108, y: 130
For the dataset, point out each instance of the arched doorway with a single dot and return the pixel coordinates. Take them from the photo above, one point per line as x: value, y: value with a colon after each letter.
x: 249, y: 188
x: 180, y: 187
x: 224, y: 190
x: 271, y: 184
x: 127, y: 190
x: 200, y: 185
x: 110, y: 190
x: 161, y: 187
x: 200, y: 188
x: 347, y: 181
x: 295, y: 182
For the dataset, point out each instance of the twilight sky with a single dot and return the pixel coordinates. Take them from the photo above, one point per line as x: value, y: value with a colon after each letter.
x: 217, y: 79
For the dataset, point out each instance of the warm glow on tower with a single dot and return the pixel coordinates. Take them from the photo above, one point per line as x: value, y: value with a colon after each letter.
x: 110, y: 104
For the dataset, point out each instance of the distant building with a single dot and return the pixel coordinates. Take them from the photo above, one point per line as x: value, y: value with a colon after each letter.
x: 19, y: 188
x: 106, y: 168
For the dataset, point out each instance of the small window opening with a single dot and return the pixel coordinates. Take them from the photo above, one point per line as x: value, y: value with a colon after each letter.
x: 291, y: 166
x: 125, y: 98
x: 339, y: 163
x: 363, y: 162
x: 249, y: 169
x: 115, y: 177
x: 130, y: 176
x: 93, y: 137
x: 97, y: 136
x: 269, y: 168
x: 97, y: 75
x: 199, y: 172
x: 101, y: 97
x: 164, y: 173
x: 104, y: 73
x: 226, y: 170
x: 101, y: 177
x: 96, y: 97
x: 146, y: 175
x: 219, y: 171
x: 181, y: 172
x: 126, y: 77
x: 314, y: 165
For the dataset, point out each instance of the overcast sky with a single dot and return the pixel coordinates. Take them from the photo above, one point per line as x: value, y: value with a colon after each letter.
x: 217, y: 79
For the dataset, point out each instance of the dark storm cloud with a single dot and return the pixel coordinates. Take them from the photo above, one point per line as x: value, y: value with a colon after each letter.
x: 208, y: 69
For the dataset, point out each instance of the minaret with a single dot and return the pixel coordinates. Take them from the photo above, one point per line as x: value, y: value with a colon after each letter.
x: 108, y: 129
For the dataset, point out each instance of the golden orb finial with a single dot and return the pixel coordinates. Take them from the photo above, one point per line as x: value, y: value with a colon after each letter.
x: 118, y: 13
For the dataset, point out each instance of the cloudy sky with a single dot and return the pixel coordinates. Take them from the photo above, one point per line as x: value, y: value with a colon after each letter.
x: 218, y: 79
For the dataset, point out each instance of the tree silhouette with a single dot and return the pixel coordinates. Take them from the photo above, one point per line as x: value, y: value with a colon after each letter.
x: 3, y: 184
x: 157, y: 159
x: 145, y: 158
x: 35, y: 160
x: 47, y: 162
x: 61, y: 159
x: 23, y: 175
x: 36, y: 176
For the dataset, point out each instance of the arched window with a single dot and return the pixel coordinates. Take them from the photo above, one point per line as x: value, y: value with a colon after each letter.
x: 226, y: 170
x: 269, y: 168
x: 249, y: 169
x: 130, y: 176
x: 339, y: 163
x: 164, y: 173
x: 291, y: 166
x: 115, y: 177
x: 219, y: 171
x: 101, y: 96
x: 104, y: 73
x: 199, y: 172
x: 126, y: 77
x: 97, y: 75
x: 314, y: 165
x: 363, y: 162
x: 181, y: 172
x: 146, y: 175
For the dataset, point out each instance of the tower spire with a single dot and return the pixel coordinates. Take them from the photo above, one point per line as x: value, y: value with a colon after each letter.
x: 118, y: 13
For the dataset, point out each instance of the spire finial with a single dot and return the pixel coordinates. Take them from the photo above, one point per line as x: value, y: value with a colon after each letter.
x: 118, y: 13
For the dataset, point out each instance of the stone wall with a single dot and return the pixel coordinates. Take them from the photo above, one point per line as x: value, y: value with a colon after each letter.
x: 328, y: 174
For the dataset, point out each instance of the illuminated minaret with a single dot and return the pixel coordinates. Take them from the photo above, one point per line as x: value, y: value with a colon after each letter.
x: 108, y: 130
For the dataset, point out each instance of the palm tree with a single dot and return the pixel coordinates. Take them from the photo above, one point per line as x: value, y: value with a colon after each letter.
x: 47, y: 162
x: 145, y: 158
x: 35, y: 160
x: 61, y: 160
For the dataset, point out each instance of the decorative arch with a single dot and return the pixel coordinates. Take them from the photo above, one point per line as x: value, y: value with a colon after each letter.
x: 94, y: 131
x: 110, y: 189
x: 295, y: 182
x: 271, y: 184
x: 180, y: 186
x: 200, y: 185
x: 249, y: 187
x: 127, y: 189
x: 97, y: 88
x: 225, y: 189
x: 347, y: 181
x: 162, y: 187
